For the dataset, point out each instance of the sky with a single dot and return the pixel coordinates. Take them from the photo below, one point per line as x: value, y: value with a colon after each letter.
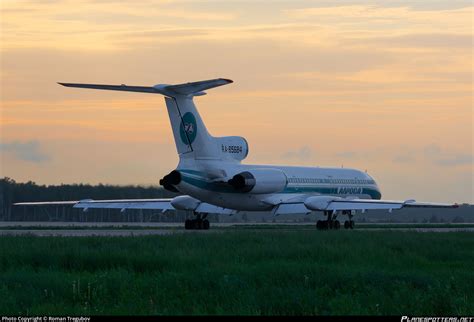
x: 382, y: 86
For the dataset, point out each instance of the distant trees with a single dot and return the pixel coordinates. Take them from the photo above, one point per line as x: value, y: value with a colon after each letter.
x: 434, y: 219
x: 12, y: 192
x: 458, y: 219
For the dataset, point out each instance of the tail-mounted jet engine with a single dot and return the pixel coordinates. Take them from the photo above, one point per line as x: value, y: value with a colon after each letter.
x: 259, y: 181
x: 170, y: 180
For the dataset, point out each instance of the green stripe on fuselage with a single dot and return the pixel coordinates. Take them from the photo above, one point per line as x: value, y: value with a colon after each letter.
x: 195, y: 172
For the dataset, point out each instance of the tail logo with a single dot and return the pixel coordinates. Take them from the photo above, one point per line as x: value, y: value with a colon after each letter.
x: 188, y: 128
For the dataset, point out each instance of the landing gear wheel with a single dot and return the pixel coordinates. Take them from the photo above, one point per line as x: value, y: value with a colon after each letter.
x: 322, y: 224
x: 325, y: 224
x: 347, y: 225
x: 352, y: 224
x: 188, y: 224
x: 336, y: 224
x: 198, y: 224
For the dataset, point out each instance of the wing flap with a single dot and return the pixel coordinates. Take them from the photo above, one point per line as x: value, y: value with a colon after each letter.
x: 291, y: 209
x: 429, y: 205
x: 363, y: 205
x: 158, y: 204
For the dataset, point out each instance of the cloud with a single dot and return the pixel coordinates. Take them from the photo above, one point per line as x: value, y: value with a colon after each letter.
x: 431, y: 40
x: 459, y: 159
x: 438, y: 156
x: 26, y: 151
x: 363, y: 12
x: 432, y: 150
x: 304, y: 153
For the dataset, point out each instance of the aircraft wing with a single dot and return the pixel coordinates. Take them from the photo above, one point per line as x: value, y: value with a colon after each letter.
x: 302, y: 206
x: 158, y: 204
x: 123, y: 204
x: 324, y: 203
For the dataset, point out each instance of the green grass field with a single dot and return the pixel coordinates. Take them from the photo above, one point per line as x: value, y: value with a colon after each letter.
x: 246, y: 226
x: 240, y: 272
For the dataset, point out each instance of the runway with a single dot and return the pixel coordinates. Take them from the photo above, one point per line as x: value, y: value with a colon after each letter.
x: 423, y: 230
x: 88, y: 232
x: 81, y: 229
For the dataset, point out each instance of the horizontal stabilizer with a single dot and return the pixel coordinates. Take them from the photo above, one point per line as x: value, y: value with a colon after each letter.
x: 194, y: 88
x: 125, y: 88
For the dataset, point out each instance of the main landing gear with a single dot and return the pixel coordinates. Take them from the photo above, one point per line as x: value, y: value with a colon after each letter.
x: 333, y: 223
x: 200, y: 222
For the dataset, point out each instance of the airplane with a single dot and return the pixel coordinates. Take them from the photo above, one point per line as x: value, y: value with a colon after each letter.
x: 211, y: 178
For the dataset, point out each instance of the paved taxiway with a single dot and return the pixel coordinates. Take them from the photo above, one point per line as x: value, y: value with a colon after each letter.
x: 81, y: 229
x: 88, y: 232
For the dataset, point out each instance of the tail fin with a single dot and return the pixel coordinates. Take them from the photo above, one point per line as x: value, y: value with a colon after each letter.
x: 190, y: 134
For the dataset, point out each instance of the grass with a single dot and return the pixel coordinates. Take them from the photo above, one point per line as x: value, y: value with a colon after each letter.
x: 240, y: 272
x: 266, y: 226
x: 85, y: 226
x: 358, y: 225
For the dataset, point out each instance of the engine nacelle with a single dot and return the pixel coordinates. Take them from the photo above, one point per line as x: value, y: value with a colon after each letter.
x: 233, y: 147
x: 260, y: 181
x: 185, y: 203
x: 319, y: 202
x: 170, y: 180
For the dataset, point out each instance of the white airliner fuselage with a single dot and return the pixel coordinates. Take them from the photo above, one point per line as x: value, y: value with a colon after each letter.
x: 300, y: 182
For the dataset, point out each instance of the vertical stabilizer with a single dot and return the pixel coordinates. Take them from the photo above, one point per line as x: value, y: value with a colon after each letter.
x: 190, y: 134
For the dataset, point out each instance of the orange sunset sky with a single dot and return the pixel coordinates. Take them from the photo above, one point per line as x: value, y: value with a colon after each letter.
x: 379, y: 85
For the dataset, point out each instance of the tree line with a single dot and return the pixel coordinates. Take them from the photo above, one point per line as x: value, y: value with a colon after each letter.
x: 12, y: 192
